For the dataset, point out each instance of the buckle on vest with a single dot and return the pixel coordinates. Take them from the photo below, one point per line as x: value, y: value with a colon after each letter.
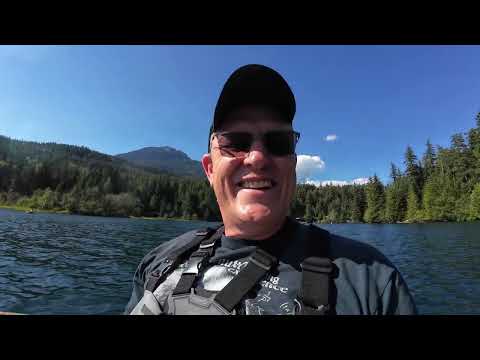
x: 204, y: 232
x: 194, y: 265
x: 206, y: 246
x: 304, y: 309
x: 322, y: 309
x: 262, y: 259
x: 318, y: 265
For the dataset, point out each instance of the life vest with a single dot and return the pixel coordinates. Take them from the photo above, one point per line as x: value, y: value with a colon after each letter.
x: 314, y: 298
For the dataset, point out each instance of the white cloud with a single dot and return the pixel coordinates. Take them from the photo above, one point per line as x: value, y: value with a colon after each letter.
x: 359, y: 181
x: 307, y: 164
x: 331, y: 137
x: 326, y: 182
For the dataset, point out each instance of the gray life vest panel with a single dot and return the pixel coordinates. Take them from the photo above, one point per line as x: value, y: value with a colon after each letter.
x: 194, y: 304
x: 314, y: 297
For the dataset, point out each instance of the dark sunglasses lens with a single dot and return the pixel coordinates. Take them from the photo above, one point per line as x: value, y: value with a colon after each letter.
x: 237, y: 142
x: 280, y: 143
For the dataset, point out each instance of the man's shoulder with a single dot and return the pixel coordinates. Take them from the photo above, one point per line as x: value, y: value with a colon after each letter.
x: 157, y: 255
x: 355, y: 252
x: 366, y: 280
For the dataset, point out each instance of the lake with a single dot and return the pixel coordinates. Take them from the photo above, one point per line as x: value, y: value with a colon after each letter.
x: 72, y: 264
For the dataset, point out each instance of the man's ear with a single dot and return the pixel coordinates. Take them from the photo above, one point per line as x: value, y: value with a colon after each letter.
x: 207, y: 165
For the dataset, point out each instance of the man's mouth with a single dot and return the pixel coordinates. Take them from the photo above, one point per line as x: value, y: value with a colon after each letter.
x: 256, y: 184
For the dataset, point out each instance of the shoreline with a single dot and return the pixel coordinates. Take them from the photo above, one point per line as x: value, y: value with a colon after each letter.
x: 160, y: 218
x: 34, y: 210
x: 66, y: 212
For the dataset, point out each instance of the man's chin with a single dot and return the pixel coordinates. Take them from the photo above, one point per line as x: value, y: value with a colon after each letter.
x: 256, y: 213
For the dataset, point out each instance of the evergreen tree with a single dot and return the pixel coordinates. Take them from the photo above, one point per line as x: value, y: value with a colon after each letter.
x: 309, y: 215
x: 458, y: 143
x: 412, y: 203
x: 475, y: 203
x: 375, y: 201
x: 429, y: 160
x: 359, y: 203
x: 413, y: 170
x: 394, y: 172
x: 310, y: 205
x: 439, y: 197
x: 396, y: 200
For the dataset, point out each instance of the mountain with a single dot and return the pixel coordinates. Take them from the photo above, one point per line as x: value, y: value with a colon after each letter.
x: 165, y: 159
x: 72, y: 178
x: 21, y: 152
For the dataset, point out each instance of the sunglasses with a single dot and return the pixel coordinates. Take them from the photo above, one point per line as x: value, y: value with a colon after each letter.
x: 239, y: 143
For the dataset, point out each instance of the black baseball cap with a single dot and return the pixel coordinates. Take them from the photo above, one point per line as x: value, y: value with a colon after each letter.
x: 254, y: 84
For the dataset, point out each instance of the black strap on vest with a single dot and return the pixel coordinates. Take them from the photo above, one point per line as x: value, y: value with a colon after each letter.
x: 316, y: 271
x: 260, y: 263
x: 316, y: 274
x: 196, y: 261
x: 177, y: 256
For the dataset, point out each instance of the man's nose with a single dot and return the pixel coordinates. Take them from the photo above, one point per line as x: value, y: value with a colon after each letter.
x: 258, y: 156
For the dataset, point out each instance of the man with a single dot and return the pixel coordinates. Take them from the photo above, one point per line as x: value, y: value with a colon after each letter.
x: 261, y: 261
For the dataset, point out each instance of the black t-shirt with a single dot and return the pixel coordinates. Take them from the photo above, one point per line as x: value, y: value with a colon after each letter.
x: 366, y: 282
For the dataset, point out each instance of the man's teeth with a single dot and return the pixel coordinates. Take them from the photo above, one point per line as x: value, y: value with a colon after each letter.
x: 256, y: 184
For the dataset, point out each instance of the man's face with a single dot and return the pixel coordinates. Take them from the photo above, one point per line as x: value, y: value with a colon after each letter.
x: 236, y: 180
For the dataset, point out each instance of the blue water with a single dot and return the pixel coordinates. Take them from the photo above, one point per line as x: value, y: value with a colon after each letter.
x: 71, y: 264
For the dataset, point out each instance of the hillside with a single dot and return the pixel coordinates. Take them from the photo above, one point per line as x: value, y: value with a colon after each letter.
x: 165, y: 159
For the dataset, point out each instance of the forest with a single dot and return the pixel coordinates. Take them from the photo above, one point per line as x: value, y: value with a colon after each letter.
x: 441, y: 185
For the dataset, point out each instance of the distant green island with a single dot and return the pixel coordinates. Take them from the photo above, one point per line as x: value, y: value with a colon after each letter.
x: 444, y: 185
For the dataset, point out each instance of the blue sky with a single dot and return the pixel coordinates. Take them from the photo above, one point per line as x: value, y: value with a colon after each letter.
x: 373, y: 101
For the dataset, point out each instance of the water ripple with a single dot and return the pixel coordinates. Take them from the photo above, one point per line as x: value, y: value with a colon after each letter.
x: 61, y: 264
x: 68, y: 264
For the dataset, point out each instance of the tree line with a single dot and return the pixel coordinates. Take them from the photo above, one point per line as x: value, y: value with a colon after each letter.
x: 443, y: 185
x: 56, y: 177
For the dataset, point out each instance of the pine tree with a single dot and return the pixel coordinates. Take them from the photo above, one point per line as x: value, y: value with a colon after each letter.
x: 428, y: 161
x: 475, y: 203
x: 320, y: 211
x: 412, y: 169
x: 394, y: 172
x: 411, y: 163
x: 310, y: 206
x: 458, y: 143
x: 412, y: 203
x: 439, y: 198
x: 309, y: 212
x: 375, y: 201
x: 356, y: 210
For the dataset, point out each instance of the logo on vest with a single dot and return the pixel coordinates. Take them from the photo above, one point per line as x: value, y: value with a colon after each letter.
x: 234, y: 266
x: 273, y: 284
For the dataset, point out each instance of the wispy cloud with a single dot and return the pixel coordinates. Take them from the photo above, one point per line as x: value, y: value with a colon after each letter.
x: 358, y: 181
x: 308, y: 164
x: 331, y: 137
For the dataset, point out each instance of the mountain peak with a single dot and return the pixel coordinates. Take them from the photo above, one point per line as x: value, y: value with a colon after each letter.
x: 168, y: 148
x: 158, y: 148
x: 164, y: 158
